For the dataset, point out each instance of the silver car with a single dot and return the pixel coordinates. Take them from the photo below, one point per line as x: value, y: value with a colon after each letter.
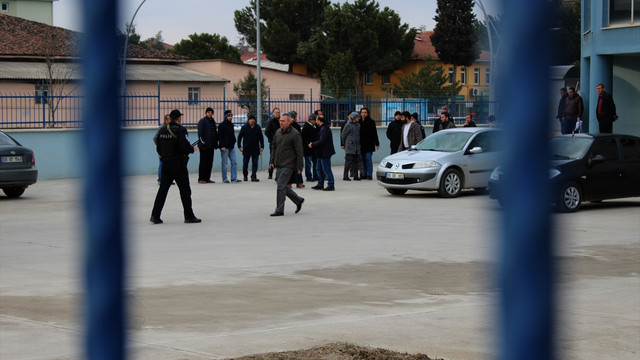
x: 447, y: 161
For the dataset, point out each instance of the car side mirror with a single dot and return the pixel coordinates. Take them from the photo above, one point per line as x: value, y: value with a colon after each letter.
x: 595, y: 160
x: 476, y: 150
x: 412, y: 147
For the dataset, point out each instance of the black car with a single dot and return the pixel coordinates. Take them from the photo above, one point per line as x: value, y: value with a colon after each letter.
x: 588, y: 167
x: 17, y: 166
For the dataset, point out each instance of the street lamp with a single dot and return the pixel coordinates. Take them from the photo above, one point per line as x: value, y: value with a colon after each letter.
x: 124, y: 60
x: 491, y: 27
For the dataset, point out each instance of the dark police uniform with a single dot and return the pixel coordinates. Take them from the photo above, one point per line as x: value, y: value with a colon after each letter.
x: 174, y: 148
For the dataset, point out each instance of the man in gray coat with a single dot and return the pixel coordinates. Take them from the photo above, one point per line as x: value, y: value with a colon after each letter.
x: 287, y: 158
x: 350, y: 138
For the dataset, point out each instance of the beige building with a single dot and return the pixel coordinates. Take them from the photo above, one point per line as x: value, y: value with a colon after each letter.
x: 34, y: 10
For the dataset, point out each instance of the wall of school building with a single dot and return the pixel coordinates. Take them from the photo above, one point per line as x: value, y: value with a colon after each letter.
x: 59, y: 152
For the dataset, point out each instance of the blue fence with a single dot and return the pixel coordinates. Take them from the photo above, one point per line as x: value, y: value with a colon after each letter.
x: 20, y: 111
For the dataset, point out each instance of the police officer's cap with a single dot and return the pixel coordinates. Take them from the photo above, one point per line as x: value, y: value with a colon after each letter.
x: 251, y: 116
x: 174, y: 114
x: 208, y: 109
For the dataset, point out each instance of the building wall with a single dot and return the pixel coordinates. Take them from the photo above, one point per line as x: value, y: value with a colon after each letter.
x: 35, y: 10
x: 611, y: 56
x: 281, y: 84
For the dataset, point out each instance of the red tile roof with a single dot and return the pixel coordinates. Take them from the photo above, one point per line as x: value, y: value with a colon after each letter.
x: 423, y: 48
x: 32, y: 40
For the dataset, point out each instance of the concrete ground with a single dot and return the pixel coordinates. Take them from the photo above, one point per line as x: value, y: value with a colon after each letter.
x: 408, y: 273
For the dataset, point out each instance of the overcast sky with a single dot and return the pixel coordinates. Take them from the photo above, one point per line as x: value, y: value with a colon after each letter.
x: 178, y: 19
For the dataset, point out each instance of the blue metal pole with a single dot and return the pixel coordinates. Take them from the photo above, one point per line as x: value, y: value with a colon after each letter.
x: 525, y: 266
x: 104, y: 259
x: 44, y: 106
x: 160, y: 117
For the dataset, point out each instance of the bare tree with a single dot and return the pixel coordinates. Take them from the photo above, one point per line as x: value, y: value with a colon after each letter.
x: 57, y: 79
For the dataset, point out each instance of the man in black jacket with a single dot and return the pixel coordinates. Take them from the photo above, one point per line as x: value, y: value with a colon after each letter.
x: 394, y: 132
x: 369, y: 143
x: 605, y: 110
x: 174, y: 148
x: 309, y: 134
x: 250, y: 144
x: 207, y: 143
x: 323, y: 148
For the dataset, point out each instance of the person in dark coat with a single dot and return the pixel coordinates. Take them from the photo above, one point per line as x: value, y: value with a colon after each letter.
x: 468, y: 121
x: 369, y: 143
x: 563, y: 100
x: 394, y: 132
x: 287, y: 159
x: 270, y: 130
x: 309, y: 134
x: 207, y: 143
x: 605, y: 110
x: 226, y: 143
x: 251, y: 147
x: 174, y: 148
x: 323, y: 148
x: 293, y: 118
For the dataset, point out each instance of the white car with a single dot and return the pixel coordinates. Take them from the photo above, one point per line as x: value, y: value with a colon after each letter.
x: 447, y: 161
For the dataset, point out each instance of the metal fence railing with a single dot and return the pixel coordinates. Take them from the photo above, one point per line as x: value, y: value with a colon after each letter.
x: 65, y: 111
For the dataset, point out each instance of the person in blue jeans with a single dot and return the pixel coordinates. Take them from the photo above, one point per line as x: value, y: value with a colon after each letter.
x: 323, y: 148
x: 369, y: 143
x: 227, y: 142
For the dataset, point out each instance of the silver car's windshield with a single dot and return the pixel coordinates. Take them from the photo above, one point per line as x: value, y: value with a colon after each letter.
x: 447, y: 141
x: 569, y: 147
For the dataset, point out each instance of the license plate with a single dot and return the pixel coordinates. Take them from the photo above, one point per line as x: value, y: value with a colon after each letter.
x: 11, y: 159
x: 394, y: 176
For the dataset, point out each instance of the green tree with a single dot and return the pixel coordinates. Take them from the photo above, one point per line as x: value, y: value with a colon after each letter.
x: 454, y: 35
x: 431, y: 81
x: 567, y: 32
x: 376, y: 39
x: 247, y: 92
x: 206, y: 46
x: 156, y: 42
x: 284, y: 24
x: 483, y: 36
x: 339, y: 74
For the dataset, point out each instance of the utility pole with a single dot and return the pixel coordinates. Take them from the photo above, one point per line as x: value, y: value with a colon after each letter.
x: 124, y: 61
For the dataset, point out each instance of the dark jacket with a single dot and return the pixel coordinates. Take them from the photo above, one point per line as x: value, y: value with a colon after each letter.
x: 440, y: 126
x: 471, y: 124
x: 309, y: 134
x: 226, y: 135
x: 608, y: 110
x: 286, y: 149
x: 394, y: 134
x: 561, y: 104
x: 368, y: 135
x: 414, y: 136
x: 272, y: 127
x: 173, y: 142
x: 323, y: 146
x: 253, y: 139
x: 207, y: 133
x: 573, y: 106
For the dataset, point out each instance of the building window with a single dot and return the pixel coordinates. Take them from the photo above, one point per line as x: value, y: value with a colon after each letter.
x: 487, y: 75
x: 624, y: 12
x: 41, y: 94
x: 463, y: 76
x: 586, y: 15
x: 450, y: 76
x: 194, y: 95
x: 368, y: 78
x: 5, y: 7
x: 296, y: 96
x: 386, y: 79
x: 476, y: 76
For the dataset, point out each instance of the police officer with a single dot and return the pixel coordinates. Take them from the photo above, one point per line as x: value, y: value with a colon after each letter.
x: 174, y: 148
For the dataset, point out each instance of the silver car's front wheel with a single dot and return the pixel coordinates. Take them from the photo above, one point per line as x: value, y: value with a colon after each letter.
x: 451, y: 184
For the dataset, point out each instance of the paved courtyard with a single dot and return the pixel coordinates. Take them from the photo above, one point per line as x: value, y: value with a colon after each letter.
x: 410, y: 273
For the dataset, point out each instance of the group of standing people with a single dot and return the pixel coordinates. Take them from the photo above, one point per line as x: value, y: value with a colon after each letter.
x: 405, y: 131
x: 571, y: 108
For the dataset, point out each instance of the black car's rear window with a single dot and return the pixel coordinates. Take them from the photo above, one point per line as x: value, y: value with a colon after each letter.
x: 6, y: 140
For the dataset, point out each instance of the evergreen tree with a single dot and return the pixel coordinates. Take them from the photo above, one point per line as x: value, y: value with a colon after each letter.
x: 284, y: 24
x: 376, y: 39
x: 339, y: 74
x: 206, y: 46
x: 454, y: 35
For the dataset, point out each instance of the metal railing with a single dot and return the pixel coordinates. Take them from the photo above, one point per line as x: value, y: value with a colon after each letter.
x: 64, y: 111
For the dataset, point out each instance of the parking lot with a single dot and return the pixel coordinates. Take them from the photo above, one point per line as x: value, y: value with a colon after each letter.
x: 409, y: 273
